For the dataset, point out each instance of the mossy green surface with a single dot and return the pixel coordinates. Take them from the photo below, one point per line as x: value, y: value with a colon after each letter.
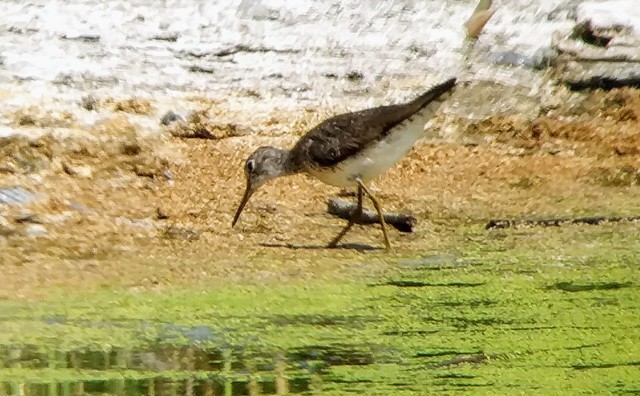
x: 534, y: 311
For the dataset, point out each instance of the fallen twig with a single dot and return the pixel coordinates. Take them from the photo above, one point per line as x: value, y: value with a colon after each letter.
x: 344, y: 209
x: 593, y: 220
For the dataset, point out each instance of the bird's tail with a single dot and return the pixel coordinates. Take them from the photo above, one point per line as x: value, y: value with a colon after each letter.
x: 438, y: 92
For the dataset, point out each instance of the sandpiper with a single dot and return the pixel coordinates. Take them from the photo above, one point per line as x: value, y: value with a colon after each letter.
x: 348, y: 150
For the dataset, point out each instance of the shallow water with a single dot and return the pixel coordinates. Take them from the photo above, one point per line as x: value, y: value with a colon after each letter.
x: 275, y: 51
x: 155, y: 45
x: 494, y: 316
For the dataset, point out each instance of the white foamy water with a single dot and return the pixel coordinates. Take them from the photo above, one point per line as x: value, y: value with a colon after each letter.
x: 287, y: 51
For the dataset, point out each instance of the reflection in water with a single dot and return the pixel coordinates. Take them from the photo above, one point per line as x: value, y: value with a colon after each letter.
x: 171, y: 370
x: 156, y: 386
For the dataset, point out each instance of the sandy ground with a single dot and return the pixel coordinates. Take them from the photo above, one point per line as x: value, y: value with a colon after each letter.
x: 124, y: 207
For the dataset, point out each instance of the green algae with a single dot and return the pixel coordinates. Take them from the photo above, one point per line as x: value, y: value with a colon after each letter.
x: 531, y: 310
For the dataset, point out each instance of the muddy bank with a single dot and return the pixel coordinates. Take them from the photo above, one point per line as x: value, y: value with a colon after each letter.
x: 130, y: 144
x: 116, y: 193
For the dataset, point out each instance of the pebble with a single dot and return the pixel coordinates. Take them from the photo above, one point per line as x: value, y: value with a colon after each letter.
x: 15, y: 195
x: 167, y: 174
x: 170, y: 117
x: 82, y: 171
x: 35, y: 230
x: 89, y: 103
x: 161, y: 214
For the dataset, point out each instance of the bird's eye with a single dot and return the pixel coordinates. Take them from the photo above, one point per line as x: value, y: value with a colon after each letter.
x: 250, y: 165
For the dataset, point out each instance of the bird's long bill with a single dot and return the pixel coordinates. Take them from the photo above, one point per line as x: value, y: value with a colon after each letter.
x: 245, y: 198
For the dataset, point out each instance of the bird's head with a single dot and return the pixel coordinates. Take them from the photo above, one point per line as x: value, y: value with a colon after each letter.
x: 266, y: 163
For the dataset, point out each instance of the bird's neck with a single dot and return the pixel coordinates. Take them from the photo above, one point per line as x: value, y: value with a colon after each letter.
x: 285, y: 164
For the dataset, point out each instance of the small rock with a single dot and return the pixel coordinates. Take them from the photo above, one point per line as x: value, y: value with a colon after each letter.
x: 161, y: 214
x: 15, y: 195
x: 252, y: 93
x: 65, y: 79
x: 82, y: 171
x: 170, y: 117
x: 35, y: 230
x: 130, y: 148
x: 89, y: 103
x: 354, y: 76
x: 167, y: 174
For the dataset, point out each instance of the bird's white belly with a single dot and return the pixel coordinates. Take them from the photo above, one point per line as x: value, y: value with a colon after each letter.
x: 378, y: 157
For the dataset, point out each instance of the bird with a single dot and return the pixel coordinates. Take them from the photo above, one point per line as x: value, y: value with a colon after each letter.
x: 349, y: 150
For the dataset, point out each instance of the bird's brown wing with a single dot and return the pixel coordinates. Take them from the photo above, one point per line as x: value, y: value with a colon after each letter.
x: 339, y: 137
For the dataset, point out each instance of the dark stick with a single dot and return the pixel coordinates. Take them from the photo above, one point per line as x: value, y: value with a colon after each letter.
x: 343, y: 209
x: 593, y: 220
